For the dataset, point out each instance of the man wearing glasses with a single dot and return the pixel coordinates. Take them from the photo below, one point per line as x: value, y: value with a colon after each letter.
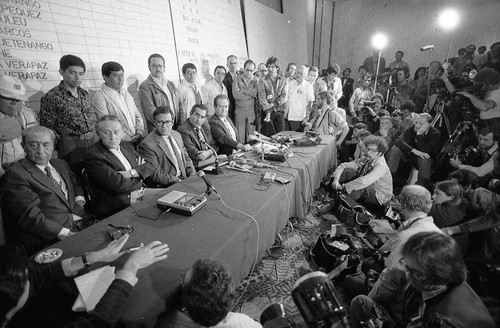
x: 391, y: 289
x: 167, y: 161
x: 157, y: 91
x: 372, y: 183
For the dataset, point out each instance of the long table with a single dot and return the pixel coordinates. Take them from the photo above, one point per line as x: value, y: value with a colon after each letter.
x: 217, y: 231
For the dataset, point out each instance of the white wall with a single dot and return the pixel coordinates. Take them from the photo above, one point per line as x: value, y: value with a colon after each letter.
x: 270, y: 33
x: 408, y: 24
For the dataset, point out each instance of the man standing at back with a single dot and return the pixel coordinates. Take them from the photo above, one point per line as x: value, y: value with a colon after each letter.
x: 245, y: 93
x: 67, y: 110
x: 189, y: 92
x: 212, y: 89
x: 114, y: 99
x: 232, y: 65
x: 157, y: 91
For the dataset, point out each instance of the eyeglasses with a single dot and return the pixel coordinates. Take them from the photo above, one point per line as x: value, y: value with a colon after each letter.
x: 368, y: 149
x: 157, y: 65
x: 163, y: 123
x: 11, y: 100
x: 416, y: 274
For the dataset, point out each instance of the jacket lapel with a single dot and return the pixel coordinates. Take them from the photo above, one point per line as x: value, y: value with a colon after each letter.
x: 43, y: 179
x: 163, y: 146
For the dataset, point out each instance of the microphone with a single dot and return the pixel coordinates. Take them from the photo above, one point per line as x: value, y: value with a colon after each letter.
x: 210, y: 187
x: 427, y: 47
x: 253, y: 162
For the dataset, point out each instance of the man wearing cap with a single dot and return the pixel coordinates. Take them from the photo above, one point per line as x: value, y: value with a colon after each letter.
x: 14, y: 118
x: 67, y: 110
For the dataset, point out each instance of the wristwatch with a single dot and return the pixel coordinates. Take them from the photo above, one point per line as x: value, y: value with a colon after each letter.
x: 84, y: 260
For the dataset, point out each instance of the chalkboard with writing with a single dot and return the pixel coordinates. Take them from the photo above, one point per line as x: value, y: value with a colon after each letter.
x: 34, y: 34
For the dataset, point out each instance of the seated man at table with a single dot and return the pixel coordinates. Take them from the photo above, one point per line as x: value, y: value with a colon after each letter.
x: 223, y: 129
x: 112, y: 170
x: 167, y: 161
x: 208, y: 296
x: 196, y: 135
x: 41, y: 199
x: 372, y: 183
x: 18, y: 283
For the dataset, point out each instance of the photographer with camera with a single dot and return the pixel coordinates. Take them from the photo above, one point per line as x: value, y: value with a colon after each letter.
x: 403, y: 88
x: 489, y: 104
x: 371, y: 111
x: 488, y: 146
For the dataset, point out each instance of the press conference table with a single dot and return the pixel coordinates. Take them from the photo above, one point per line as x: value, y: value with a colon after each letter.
x: 215, y: 232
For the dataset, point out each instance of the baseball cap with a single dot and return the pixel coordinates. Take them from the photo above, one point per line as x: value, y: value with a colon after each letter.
x: 11, y: 87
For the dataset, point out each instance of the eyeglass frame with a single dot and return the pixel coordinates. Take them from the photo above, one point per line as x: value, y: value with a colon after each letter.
x: 163, y: 123
x: 416, y: 274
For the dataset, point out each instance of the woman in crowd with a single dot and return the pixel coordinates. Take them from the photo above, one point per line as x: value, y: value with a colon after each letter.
x: 447, y: 205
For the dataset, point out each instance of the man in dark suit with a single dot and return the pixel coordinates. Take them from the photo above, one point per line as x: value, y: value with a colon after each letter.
x: 418, y: 145
x: 41, y: 199
x: 197, y: 136
x: 167, y: 161
x: 347, y: 88
x: 223, y: 129
x: 112, y: 170
x: 232, y: 65
x: 157, y: 91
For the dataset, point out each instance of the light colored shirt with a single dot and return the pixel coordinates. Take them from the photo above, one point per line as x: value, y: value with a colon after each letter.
x: 229, y: 128
x: 379, y: 177
x: 163, y: 83
x: 173, y: 152
x: 209, y: 91
x: 493, y: 100
x: 238, y: 320
x: 187, y: 96
x: 299, y: 98
x: 118, y: 153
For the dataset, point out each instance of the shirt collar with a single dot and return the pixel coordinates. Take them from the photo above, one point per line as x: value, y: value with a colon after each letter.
x: 80, y: 90
x: 159, y: 81
x: 435, y: 291
x: 493, y: 149
x: 120, y: 91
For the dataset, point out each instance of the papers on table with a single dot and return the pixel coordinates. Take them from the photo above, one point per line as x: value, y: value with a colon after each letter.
x: 92, y: 287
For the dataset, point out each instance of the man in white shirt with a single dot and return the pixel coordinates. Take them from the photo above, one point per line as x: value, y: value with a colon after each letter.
x: 301, y: 97
x: 114, y: 99
x: 189, y: 92
x: 41, y: 198
x: 332, y: 83
x: 212, y: 89
x: 157, y: 91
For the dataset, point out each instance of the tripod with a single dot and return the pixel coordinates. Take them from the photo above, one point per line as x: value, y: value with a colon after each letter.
x: 440, y: 116
x: 454, y: 144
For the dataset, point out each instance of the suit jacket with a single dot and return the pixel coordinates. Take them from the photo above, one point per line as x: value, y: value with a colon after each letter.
x: 191, y: 140
x: 159, y: 165
x: 228, y: 82
x: 222, y: 136
x: 151, y: 96
x: 110, y: 188
x: 34, y: 208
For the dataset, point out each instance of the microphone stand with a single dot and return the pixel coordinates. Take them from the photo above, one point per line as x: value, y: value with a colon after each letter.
x: 216, y: 158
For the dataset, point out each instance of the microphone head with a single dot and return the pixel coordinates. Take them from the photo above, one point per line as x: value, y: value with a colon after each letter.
x: 231, y: 163
x: 200, y: 173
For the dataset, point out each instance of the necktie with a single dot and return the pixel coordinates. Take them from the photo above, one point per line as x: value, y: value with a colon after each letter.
x: 201, y: 138
x: 51, y: 177
x: 197, y: 96
x: 229, y: 128
x: 178, y: 158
